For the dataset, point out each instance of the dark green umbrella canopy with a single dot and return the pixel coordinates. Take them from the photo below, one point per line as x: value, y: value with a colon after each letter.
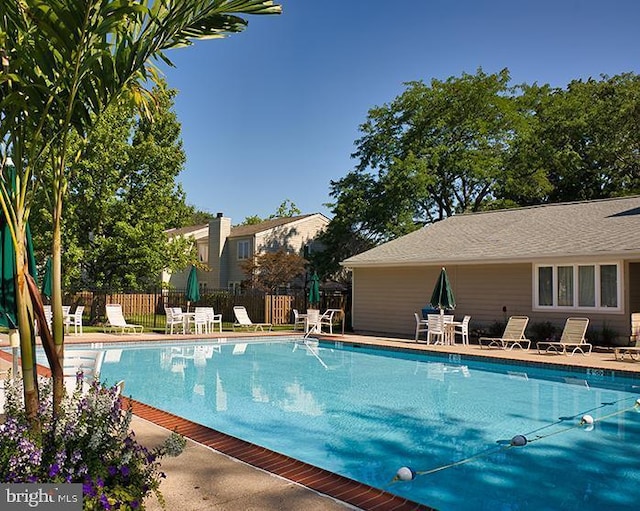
x: 314, y: 290
x: 192, y: 294
x: 47, y: 279
x: 8, y: 271
x: 442, y: 296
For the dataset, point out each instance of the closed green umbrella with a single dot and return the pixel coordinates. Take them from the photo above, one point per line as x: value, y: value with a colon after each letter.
x: 314, y: 290
x: 192, y: 294
x: 8, y: 271
x: 8, y: 303
x: 47, y: 279
x: 442, y: 296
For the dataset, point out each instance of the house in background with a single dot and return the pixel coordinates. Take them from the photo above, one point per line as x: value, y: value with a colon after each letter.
x: 223, y: 248
x: 547, y: 262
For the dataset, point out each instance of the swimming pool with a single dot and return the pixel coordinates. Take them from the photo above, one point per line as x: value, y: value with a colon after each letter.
x: 364, y: 413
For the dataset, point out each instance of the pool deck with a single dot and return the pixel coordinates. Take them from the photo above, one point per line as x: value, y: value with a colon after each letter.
x: 210, y: 475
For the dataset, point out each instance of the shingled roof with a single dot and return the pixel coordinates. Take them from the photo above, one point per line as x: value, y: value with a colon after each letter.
x: 250, y: 230
x: 601, y: 228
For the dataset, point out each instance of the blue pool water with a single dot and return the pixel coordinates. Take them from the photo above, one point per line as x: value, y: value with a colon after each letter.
x: 364, y: 413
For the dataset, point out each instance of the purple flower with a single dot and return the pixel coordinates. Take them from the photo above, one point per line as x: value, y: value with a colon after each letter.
x: 112, y: 470
x: 88, y: 489
x: 105, y: 502
x: 54, y: 470
x: 124, y: 470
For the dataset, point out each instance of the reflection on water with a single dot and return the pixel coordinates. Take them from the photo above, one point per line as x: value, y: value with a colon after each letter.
x: 365, y: 413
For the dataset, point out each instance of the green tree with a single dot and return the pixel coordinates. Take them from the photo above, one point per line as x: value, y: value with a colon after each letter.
x: 63, y: 63
x: 584, y: 139
x: 285, y: 210
x: 122, y: 197
x: 435, y: 150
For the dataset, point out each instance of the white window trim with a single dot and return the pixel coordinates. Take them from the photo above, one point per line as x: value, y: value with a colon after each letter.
x: 248, y: 244
x: 575, y: 308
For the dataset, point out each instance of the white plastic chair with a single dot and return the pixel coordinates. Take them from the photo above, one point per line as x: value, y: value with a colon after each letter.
x: 200, y: 321
x: 435, y: 328
x: 173, y: 320
x: 74, y: 320
x: 298, y: 319
x: 213, y: 319
x: 463, y: 330
x: 80, y: 368
x: 421, y: 326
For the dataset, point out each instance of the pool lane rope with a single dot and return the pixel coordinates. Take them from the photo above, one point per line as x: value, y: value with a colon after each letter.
x: 587, y: 422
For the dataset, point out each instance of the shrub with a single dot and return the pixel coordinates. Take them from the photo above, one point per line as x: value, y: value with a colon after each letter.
x: 90, y: 443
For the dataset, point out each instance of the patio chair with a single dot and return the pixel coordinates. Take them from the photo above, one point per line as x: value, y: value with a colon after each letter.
x: 572, y: 339
x: 435, y: 328
x: 421, y: 326
x: 298, y: 319
x: 81, y: 368
x: 462, y: 330
x: 327, y: 319
x: 213, y: 319
x: 243, y: 320
x: 200, y: 321
x: 513, y: 336
x: 633, y: 350
x: 173, y: 320
x: 74, y: 320
x: 116, y: 321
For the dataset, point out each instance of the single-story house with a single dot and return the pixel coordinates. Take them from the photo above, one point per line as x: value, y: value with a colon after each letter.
x: 223, y: 247
x: 548, y: 262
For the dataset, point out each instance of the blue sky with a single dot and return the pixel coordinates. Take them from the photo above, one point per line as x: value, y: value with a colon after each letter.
x: 272, y: 113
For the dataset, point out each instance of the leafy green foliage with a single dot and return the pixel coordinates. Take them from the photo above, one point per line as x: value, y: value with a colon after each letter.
x: 122, y: 197
x: 474, y: 142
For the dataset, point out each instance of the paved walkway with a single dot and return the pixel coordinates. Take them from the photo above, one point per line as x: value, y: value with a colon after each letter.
x: 204, y: 479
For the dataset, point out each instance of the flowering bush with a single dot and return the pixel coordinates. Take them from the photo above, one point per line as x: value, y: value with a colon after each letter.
x: 89, y: 443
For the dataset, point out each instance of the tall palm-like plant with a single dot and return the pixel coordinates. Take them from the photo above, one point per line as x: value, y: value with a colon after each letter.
x: 63, y: 63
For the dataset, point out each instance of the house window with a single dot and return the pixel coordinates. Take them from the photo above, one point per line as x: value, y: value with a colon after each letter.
x: 203, y: 252
x: 577, y: 286
x: 243, y: 249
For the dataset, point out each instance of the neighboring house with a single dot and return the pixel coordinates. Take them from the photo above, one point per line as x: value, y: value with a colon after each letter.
x: 547, y: 262
x: 223, y: 248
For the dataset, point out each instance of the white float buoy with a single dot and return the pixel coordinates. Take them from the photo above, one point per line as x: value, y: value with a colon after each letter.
x: 405, y: 474
x: 586, y: 419
x: 519, y: 441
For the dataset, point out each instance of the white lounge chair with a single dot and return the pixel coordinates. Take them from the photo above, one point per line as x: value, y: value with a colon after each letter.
x: 243, y: 320
x: 513, y: 336
x: 633, y: 350
x: 572, y: 339
x: 116, y: 321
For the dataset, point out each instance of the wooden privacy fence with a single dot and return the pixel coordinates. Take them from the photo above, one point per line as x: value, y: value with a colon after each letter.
x: 277, y: 309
